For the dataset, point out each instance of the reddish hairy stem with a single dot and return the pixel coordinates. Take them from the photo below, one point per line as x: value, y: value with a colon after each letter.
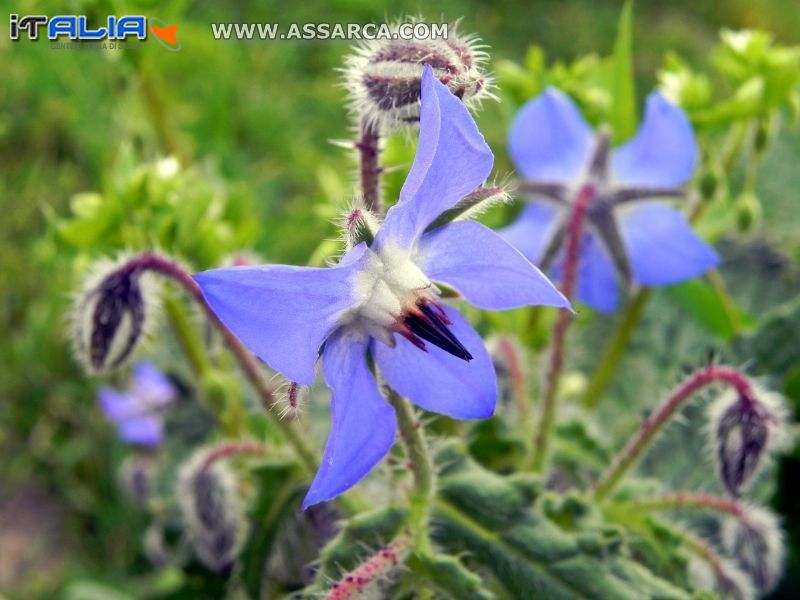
x: 150, y: 261
x: 229, y: 449
x: 678, y: 500
x: 571, y: 259
x: 515, y: 372
x: 377, y: 566
x: 368, y: 147
x: 633, y: 450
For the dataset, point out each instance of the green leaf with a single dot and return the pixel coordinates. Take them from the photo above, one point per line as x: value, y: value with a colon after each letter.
x: 359, y: 537
x: 710, y: 308
x: 535, y: 545
x: 623, y: 111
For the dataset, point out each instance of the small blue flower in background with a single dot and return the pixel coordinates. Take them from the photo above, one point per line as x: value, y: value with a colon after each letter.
x: 381, y: 299
x: 629, y: 234
x: 138, y: 411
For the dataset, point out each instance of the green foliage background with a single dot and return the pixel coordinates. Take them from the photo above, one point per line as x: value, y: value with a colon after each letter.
x: 252, y: 124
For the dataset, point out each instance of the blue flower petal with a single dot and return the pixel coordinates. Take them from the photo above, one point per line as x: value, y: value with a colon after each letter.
x: 282, y: 313
x: 146, y: 430
x: 596, y: 284
x: 663, y: 248
x: 438, y: 381
x: 452, y: 159
x: 484, y: 268
x: 549, y: 140
x: 364, y: 423
x: 151, y: 385
x: 531, y: 231
x: 663, y: 152
x: 118, y: 406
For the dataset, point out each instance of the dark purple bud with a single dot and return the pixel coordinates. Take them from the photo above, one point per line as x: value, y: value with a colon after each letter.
x: 212, y: 513
x: 383, y: 77
x: 136, y: 477
x: 744, y: 429
x: 756, y: 543
x: 111, y: 317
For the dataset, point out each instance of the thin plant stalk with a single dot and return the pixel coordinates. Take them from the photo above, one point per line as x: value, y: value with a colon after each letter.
x: 653, y: 425
x: 544, y: 428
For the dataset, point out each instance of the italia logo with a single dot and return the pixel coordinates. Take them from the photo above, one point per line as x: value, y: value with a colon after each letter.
x: 76, y: 27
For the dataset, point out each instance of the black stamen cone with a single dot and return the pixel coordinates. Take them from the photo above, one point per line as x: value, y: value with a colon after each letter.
x: 430, y: 327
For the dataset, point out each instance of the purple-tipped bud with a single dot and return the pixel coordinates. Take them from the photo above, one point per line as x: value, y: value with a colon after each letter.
x: 359, y: 225
x: 745, y: 429
x: 212, y: 513
x: 383, y: 77
x: 111, y: 316
x: 756, y: 543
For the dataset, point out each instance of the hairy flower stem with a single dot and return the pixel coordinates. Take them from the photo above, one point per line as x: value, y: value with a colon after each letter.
x: 634, y: 449
x: 187, y: 339
x: 168, y: 268
x: 230, y: 449
x: 616, y: 348
x: 368, y: 147
x: 544, y: 429
x: 378, y: 565
x: 687, y: 500
x: 413, y: 437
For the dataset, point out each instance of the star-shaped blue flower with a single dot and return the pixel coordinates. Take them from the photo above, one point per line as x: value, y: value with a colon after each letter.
x: 629, y: 233
x: 380, y: 300
x: 138, y: 411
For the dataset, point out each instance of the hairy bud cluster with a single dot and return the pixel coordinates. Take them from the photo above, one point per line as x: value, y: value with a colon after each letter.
x: 111, y: 316
x: 745, y: 430
x: 212, y: 513
x: 383, y: 77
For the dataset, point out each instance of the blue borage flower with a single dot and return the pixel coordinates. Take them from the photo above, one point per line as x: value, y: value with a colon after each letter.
x: 381, y: 300
x: 629, y: 233
x: 138, y: 411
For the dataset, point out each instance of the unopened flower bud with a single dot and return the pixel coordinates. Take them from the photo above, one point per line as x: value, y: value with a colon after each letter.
x: 358, y: 225
x: 709, y: 183
x: 744, y: 432
x: 155, y: 547
x: 756, y: 543
x: 111, y: 315
x: 212, y: 513
x: 748, y: 212
x: 136, y: 477
x: 384, y: 76
x: 723, y: 575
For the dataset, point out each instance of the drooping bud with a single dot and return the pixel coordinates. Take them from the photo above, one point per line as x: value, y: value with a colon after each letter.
x: 384, y: 76
x: 358, y: 225
x: 745, y: 430
x: 708, y: 570
x: 756, y: 543
x: 212, y: 513
x: 136, y: 477
x: 111, y: 315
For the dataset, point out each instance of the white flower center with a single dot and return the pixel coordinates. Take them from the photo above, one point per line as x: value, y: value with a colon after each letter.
x: 388, y: 287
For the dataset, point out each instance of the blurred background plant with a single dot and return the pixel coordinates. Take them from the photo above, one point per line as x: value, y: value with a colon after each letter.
x: 225, y: 147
